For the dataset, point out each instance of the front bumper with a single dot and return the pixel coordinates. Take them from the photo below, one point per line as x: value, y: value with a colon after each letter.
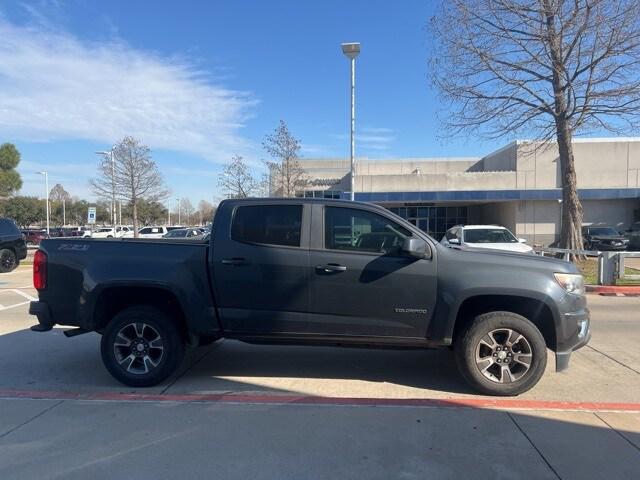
x: 43, y: 314
x: 606, y: 247
x: 582, y: 334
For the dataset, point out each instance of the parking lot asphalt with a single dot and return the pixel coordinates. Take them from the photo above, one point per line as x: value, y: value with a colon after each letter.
x: 245, y: 411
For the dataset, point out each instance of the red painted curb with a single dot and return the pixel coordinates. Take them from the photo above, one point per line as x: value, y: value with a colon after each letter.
x: 613, y: 289
x: 229, y: 398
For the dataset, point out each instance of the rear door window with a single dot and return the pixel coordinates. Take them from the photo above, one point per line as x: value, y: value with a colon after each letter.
x: 268, y: 224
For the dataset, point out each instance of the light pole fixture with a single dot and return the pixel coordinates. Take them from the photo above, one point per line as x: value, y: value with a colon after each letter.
x: 113, y: 185
x: 352, y: 50
x: 46, y: 187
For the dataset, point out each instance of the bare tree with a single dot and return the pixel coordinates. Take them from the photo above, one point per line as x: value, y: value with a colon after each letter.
x: 60, y: 196
x: 186, y: 207
x: 206, y: 211
x: 236, y: 180
x: 286, y: 175
x: 135, y: 176
x: 548, y: 68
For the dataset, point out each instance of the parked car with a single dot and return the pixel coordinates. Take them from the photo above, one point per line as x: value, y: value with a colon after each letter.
x: 76, y: 232
x: 191, y: 233
x: 13, y: 246
x: 633, y: 235
x: 55, y: 232
x: 492, y: 237
x: 603, y: 238
x: 279, y: 271
x: 34, y: 236
x: 110, y: 232
x: 153, y: 232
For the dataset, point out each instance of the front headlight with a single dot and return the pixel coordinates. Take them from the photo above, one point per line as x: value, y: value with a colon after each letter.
x: 571, y: 282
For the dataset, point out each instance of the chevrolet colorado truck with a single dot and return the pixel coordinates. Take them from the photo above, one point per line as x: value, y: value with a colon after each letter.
x: 312, y: 272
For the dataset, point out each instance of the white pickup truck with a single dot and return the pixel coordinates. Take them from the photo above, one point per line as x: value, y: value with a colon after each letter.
x: 111, y: 232
x: 151, y: 232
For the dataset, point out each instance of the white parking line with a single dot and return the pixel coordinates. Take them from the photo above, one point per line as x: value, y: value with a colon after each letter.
x: 17, y: 270
x: 23, y: 294
x: 17, y: 292
x: 2, y: 309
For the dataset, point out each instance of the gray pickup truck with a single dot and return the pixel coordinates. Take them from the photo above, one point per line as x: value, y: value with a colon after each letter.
x: 313, y: 272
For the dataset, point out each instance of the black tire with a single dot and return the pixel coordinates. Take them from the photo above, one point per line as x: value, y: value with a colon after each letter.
x: 8, y: 260
x: 488, y: 374
x: 150, y: 365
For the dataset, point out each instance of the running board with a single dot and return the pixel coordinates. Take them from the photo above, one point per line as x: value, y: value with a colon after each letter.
x: 74, y: 332
x: 41, y: 328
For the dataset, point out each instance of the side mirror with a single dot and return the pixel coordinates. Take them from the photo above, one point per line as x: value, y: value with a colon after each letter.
x: 454, y: 241
x: 522, y: 240
x: 415, y: 247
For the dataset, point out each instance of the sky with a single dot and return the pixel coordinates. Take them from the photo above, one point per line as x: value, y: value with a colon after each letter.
x: 200, y: 81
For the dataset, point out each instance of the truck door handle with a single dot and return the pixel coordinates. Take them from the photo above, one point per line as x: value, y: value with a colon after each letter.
x: 234, y: 261
x: 331, y: 267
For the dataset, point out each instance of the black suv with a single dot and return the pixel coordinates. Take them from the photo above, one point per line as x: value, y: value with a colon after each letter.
x: 13, y: 247
x: 603, y: 238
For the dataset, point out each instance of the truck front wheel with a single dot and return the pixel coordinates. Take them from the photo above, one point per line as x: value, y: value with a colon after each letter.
x: 501, y: 353
x: 141, y: 346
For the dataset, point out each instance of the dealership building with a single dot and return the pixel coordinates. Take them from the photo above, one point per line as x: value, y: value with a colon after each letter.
x: 517, y: 186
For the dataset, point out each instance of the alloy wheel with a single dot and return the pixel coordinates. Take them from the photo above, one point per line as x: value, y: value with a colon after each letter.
x: 8, y: 261
x: 504, y: 355
x: 138, y: 348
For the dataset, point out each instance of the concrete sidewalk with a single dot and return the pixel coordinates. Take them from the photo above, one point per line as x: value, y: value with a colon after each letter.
x: 69, y: 439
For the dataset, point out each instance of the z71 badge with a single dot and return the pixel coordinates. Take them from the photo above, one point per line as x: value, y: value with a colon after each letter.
x: 72, y: 247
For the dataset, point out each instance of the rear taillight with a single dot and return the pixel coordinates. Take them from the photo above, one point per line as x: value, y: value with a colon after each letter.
x: 40, y: 270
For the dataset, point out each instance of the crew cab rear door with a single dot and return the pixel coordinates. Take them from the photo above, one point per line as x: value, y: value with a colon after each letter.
x: 260, y: 264
x: 361, y: 282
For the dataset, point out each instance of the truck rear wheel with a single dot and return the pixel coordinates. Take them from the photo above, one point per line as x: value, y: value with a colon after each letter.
x: 141, y: 346
x: 501, y: 353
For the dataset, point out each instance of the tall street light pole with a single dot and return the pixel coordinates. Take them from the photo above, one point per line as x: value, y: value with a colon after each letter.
x: 179, y: 220
x: 46, y: 187
x: 351, y: 50
x: 113, y: 185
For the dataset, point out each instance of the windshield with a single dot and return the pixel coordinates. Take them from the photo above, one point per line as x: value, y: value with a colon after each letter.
x: 489, y: 235
x: 603, y: 231
x: 176, y: 233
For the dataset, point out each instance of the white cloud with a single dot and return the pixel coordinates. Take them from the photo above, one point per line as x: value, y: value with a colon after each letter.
x: 73, y: 176
x: 55, y: 87
x: 372, y: 138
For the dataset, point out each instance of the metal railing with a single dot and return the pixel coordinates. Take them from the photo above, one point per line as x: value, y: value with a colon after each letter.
x: 565, y: 252
x: 611, y: 265
x: 604, y: 272
x: 621, y: 273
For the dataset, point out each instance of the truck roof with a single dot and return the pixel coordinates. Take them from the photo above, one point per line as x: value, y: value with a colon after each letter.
x: 325, y: 201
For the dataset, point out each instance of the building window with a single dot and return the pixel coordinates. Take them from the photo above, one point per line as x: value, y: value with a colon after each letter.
x: 319, y: 194
x: 433, y: 220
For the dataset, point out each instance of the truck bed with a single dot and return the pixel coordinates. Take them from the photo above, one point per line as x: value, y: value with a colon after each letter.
x: 83, y: 274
